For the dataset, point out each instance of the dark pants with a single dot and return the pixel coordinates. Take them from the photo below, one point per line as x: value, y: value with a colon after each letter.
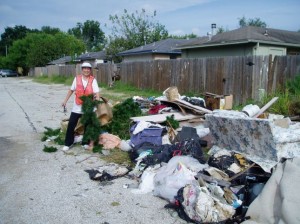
x: 74, y: 117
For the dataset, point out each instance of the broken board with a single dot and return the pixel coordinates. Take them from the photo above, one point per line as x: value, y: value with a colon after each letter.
x: 159, y: 118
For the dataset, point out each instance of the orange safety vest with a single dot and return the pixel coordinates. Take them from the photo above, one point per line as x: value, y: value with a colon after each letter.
x: 80, y: 90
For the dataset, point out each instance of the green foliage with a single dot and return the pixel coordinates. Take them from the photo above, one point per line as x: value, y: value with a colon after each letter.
x: 49, y: 149
x: 281, y: 106
x: 120, y: 157
x: 56, y: 134
x: 10, y: 35
x: 120, y: 124
x: 295, y: 106
x: 89, y: 119
x: 37, y: 49
x: 171, y: 122
x: 50, y: 132
x: 50, y: 30
x: 251, y: 22
x: 131, y: 30
x: 288, y: 103
x: 90, y: 33
x: 294, y: 85
x: 132, y: 90
x: 221, y: 29
x: 97, y: 148
x: 186, y: 36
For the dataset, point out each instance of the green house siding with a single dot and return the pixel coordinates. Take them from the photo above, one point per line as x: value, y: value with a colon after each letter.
x: 218, y: 51
x: 268, y: 49
x: 234, y: 50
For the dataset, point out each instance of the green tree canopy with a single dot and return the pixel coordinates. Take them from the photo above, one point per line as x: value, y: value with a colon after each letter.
x: 37, y: 49
x: 186, y: 36
x: 131, y: 30
x: 90, y: 33
x: 251, y: 22
x: 50, y: 30
x: 10, y: 35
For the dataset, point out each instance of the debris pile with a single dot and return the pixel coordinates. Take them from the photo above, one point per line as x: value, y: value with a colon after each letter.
x: 214, y: 164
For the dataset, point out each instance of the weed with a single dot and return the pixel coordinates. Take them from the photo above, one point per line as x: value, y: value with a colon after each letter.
x: 49, y: 149
x: 56, y: 134
x: 294, y: 85
x: 118, y: 156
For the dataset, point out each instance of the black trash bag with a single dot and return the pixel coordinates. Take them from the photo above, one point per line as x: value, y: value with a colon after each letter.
x: 163, y: 154
x: 254, y: 174
x: 145, y: 146
x: 222, y: 163
x: 247, y: 194
x: 166, y: 152
x: 191, y: 147
x: 100, y: 176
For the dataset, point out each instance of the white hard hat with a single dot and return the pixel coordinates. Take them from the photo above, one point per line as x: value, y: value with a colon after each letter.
x: 86, y: 65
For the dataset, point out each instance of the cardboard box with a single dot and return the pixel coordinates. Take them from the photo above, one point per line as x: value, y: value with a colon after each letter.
x: 214, y: 101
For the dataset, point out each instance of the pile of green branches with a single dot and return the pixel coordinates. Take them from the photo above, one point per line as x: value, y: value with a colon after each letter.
x: 120, y: 124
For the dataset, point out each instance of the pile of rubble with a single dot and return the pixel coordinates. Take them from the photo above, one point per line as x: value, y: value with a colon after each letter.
x: 220, y: 165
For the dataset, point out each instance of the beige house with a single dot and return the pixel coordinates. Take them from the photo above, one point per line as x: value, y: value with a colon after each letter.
x: 245, y: 41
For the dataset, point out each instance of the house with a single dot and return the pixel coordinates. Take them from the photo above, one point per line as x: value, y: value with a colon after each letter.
x: 94, y: 57
x: 163, y: 49
x: 61, y: 61
x: 245, y: 41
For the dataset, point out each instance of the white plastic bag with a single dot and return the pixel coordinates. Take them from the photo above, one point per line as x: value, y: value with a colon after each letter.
x: 175, y: 175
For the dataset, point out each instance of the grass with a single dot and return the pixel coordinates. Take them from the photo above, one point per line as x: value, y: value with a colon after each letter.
x: 118, y: 156
x: 55, y: 79
x: 121, y: 91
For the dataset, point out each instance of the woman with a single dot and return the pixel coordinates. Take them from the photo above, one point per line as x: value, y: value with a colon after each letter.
x: 83, y: 84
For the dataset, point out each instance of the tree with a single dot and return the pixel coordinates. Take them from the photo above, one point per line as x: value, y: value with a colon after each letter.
x: 50, y: 30
x: 186, y: 36
x: 91, y: 34
x: 251, y: 22
x: 10, y: 35
x: 132, y: 30
x: 221, y: 29
x: 37, y: 49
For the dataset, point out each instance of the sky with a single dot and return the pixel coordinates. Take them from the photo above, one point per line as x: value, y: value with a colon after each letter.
x: 179, y: 17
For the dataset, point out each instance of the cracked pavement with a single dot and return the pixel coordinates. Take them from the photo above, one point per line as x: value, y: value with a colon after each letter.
x: 39, y: 187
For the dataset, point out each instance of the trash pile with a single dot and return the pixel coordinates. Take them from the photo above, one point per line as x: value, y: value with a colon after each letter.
x: 215, y: 163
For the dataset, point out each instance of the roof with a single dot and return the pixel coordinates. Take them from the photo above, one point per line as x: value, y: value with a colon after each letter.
x: 62, y: 60
x: 166, y: 46
x: 92, y: 56
x: 248, y: 34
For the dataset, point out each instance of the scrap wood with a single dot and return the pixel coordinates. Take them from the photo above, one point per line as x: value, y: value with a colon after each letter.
x: 240, y: 173
x: 264, y: 108
x: 159, y: 118
x: 184, y: 104
x: 213, y: 95
x: 172, y: 132
x: 172, y: 102
x: 193, y: 107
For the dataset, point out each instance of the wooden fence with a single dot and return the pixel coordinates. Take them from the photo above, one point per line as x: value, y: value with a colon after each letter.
x: 244, y: 77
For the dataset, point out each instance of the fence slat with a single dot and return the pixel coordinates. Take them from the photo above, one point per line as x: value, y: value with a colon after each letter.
x: 220, y: 75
